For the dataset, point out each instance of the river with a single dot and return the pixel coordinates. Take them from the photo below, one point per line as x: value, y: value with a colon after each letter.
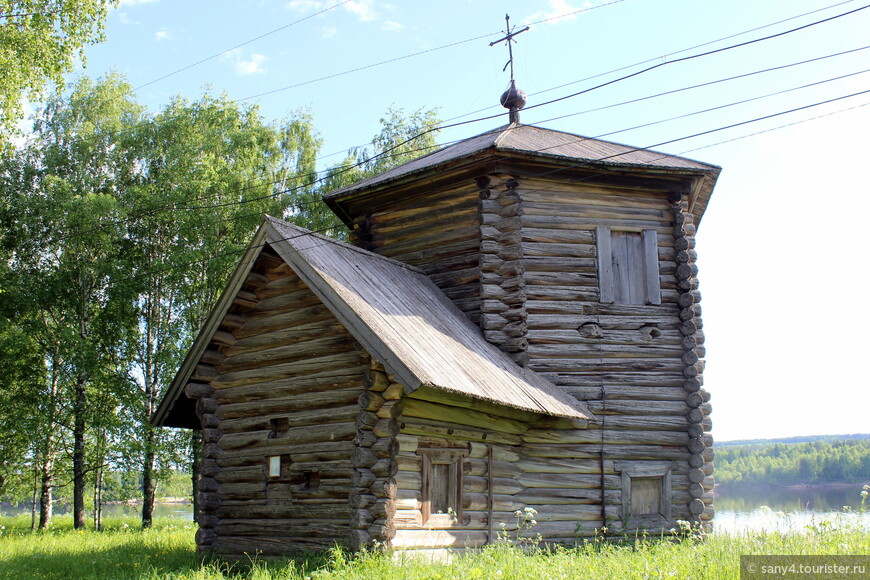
x: 745, y: 509
x: 738, y: 510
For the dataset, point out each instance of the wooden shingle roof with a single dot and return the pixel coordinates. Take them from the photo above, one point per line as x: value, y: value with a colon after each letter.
x: 407, y: 323
x: 399, y: 316
x: 529, y: 142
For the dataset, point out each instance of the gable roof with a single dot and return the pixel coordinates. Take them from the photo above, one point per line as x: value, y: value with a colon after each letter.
x: 527, y: 141
x: 401, y: 318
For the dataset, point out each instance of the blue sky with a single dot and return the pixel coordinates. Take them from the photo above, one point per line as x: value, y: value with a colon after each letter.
x: 783, y: 244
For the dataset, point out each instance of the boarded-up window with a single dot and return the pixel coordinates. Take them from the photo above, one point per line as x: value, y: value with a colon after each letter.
x: 628, y: 267
x: 442, y: 485
x: 646, y: 495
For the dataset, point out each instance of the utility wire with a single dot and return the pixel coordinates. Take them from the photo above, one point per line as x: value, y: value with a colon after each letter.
x: 591, y: 161
x: 774, y: 128
x: 664, y: 56
x: 456, y: 124
x: 706, y: 84
x: 301, y: 204
x: 732, y: 104
x: 699, y: 55
x: 223, y: 52
x: 419, y: 53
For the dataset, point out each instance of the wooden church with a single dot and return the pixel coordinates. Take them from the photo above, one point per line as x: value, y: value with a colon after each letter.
x: 515, y: 324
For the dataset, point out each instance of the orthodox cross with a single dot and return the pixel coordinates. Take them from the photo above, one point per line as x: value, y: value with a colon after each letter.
x: 513, y: 99
x: 508, y: 39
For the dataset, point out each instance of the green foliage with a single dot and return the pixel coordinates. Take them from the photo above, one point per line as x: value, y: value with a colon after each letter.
x: 120, y: 230
x: 794, y: 463
x: 402, y: 138
x: 39, y: 40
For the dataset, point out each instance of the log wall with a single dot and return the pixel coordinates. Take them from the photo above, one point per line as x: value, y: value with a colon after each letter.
x: 282, y: 377
x: 638, y: 367
x: 437, y: 232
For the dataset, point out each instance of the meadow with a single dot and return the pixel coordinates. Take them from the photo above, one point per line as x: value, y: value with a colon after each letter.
x: 125, y: 551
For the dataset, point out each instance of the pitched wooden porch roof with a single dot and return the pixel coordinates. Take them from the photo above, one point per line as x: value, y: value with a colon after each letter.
x: 401, y: 318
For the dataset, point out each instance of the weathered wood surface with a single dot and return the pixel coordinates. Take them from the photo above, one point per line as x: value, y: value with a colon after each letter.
x: 287, y: 359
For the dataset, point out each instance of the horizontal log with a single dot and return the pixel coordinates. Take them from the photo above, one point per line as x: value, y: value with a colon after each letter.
x: 627, y: 437
x: 315, y: 416
x: 559, y: 236
x: 270, y: 511
x: 428, y: 428
x: 649, y: 407
x: 286, y: 282
x: 314, y: 342
x: 293, y: 436
x: 499, y: 452
x: 302, y: 453
x: 444, y: 398
x: 567, y: 480
x: 635, y: 337
x: 606, y: 365
x: 580, y: 349
x: 561, y: 465
x: 611, y: 451
x: 337, y: 363
x: 438, y: 539
x: 328, y: 397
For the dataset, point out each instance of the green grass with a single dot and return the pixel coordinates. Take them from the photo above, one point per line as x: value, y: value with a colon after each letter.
x: 167, y: 552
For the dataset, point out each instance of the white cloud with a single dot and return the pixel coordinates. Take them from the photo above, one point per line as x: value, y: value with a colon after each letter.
x: 124, y: 18
x: 328, y: 31
x: 162, y: 34
x: 250, y: 66
x: 363, y: 10
x: 560, y: 11
x: 305, y: 5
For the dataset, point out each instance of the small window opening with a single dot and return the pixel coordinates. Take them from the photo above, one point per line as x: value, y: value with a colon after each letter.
x: 274, y: 462
x: 311, y: 480
x: 442, y: 485
x: 279, y: 427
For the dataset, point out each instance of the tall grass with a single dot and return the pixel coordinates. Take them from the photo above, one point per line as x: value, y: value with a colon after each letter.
x: 167, y: 551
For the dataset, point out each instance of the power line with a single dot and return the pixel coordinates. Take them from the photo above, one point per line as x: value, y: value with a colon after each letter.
x: 414, y: 54
x: 605, y: 158
x: 664, y: 56
x: 451, y: 125
x: 223, y: 52
x: 774, y: 128
x: 328, y: 174
x: 460, y: 123
x: 734, y: 103
x: 706, y: 84
x: 699, y: 55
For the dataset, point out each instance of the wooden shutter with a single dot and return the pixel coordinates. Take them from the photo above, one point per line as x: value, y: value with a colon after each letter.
x: 605, y: 266
x: 628, y: 267
x: 651, y: 267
